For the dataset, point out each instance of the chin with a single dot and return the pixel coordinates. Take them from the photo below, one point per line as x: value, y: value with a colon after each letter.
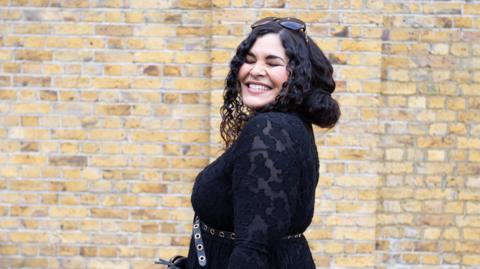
x: 254, y: 104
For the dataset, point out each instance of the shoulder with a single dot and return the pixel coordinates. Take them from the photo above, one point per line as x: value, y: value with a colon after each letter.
x: 274, y: 127
x: 273, y: 121
x: 283, y: 120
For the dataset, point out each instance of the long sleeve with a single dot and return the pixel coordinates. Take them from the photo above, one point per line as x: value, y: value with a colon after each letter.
x: 265, y: 188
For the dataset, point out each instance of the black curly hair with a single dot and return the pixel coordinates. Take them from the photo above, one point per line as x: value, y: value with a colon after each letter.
x: 307, y: 90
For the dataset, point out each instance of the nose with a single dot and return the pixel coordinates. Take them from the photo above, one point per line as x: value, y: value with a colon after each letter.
x: 258, y: 70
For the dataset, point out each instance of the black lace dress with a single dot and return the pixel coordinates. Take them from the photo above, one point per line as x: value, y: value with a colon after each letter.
x: 263, y: 189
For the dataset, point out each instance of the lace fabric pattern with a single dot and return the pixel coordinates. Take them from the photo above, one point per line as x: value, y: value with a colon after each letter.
x: 263, y: 189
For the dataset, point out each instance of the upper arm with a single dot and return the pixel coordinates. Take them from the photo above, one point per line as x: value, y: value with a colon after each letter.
x: 265, y: 181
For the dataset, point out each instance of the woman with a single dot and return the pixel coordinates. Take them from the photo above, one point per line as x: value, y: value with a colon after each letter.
x: 253, y: 203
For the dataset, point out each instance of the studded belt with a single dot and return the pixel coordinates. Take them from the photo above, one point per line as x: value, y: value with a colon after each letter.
x: 199, y: 225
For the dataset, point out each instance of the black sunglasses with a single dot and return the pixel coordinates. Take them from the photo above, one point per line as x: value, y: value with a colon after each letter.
x: 289, y: 23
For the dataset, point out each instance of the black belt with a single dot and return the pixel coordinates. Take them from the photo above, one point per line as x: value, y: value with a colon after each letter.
x: 199, y: 246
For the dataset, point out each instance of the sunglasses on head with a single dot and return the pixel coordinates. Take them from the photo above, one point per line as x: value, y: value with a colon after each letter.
x: 289, y: 23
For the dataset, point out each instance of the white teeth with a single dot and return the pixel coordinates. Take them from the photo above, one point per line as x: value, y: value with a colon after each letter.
x: 256, y: 87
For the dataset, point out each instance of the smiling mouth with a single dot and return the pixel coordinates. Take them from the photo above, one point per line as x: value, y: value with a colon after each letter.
x: 257, y: 87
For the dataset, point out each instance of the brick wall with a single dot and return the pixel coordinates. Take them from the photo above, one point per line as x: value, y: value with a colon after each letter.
x: 109, y: 109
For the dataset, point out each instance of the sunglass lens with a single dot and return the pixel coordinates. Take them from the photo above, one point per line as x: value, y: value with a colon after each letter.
x: 292, y: 25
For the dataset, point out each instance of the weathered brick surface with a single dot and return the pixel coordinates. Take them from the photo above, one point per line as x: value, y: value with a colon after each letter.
x: 109, y: 109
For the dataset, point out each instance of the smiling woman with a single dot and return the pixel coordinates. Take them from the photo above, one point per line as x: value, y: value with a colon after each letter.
x: 264, y: 72
x: 254, y: 202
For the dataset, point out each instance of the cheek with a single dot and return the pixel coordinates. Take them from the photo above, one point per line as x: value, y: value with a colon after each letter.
x: 280, y: 76
x: 242, y: 73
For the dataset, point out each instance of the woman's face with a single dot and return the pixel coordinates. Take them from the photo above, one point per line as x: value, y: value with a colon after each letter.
x: 265, y: 70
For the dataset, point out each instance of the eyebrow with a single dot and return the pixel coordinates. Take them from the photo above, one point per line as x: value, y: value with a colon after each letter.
x: 269, y: 57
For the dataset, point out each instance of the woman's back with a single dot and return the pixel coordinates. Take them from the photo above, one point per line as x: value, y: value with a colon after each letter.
x: 263, y: 189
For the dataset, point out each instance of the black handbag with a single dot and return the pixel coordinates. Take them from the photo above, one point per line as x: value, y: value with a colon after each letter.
x: 176, y: 262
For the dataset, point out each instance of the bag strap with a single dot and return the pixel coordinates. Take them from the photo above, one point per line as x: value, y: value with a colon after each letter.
x: 170, y: 265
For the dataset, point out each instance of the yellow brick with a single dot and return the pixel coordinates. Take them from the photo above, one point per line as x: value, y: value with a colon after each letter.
x: 113, y: 56
x: 470, y: 89
x: 69, y: 134
x: 471, y: 8
x: 397, y: 167
x: 394, y: 154
x: 431, y: 233
x: 28, y: 237
x: 27, y: 95
x: 31, y: 262
x: 220, y: 56
x: 436, y: 155
x: 107, y: 252
x: 471, y: 234
x: 434, y: 36
x: 8, y: 95
x: 105, y: 134
x: 192, y: 57
x: 9, y: 67
x: 68, y: 160
x: 435, y: 142
x: 366, y: 46
x: 108, y: 161
x: 109, y: 213
x: 32, y: 28
x: 153, y: 162
x: 439, y: 49
x: 68, y: 212
x: 71, y: 82
x: 354, y: 261
x: 355, y: 72
x: 74, y: 237
x: 113, y: 70
x: 468, y: 143
x: 32, y: 108
x: 402, y: 34
x: 154, y: 57
x: 417, y: 102
x: 442, y: 8
x: 149, y: 188
x: 27, y: 159
x: 149, y: 136
x: 398, y: 88
x: 191, y: 84
x: 469, y: 259
x: 118, y: 110
x: 460, y: 49
x: 68, y: 251
x: 32, y: 211
x: 147, y: 83
x: 438, y: 129
x: 451, y: 234
x: 8, y: 250
x: 133, y: 16
x: 34, y: 42
x: 411, y: 258
x: 112, y: 83
x: 74, y: 29
x: 396, y: 193
x: 458, y: 129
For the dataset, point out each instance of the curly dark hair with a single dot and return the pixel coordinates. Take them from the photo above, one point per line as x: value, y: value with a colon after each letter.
x: 307, y: 90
